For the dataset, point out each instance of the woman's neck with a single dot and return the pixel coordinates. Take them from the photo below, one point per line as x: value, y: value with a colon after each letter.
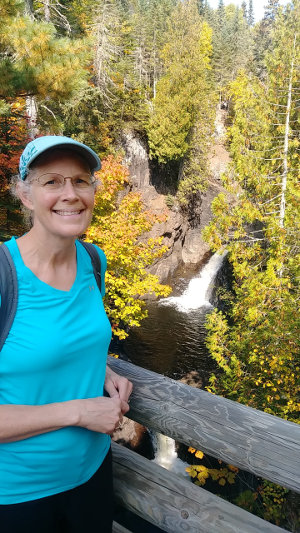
x: 53, y: 261
x: 47, y: 250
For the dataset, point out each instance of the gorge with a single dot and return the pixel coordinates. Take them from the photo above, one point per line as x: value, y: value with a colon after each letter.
x: 183, y: 239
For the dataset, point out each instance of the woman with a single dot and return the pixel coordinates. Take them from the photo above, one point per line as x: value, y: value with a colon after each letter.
x: 55, y: 459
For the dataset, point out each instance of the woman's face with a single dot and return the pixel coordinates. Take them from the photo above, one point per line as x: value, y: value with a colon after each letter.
x: 66, y: 212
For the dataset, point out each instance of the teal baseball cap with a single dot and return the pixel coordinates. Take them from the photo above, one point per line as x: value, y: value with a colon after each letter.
x: 41, y: 144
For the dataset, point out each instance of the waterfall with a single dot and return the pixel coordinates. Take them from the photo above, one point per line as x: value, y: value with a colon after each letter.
x: 200, y: 288
x: 166, y: 455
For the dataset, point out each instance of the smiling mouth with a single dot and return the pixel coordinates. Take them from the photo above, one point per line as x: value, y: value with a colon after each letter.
x: 68, y: 213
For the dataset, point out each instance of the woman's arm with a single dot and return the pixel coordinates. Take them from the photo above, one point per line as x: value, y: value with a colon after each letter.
x: 18, y: 422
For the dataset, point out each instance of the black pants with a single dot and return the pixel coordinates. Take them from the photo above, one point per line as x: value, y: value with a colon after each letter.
x: 84, y: 509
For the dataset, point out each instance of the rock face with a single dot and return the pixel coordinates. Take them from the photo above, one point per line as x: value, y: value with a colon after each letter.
x: 135, y: 437
x: 185, y: 244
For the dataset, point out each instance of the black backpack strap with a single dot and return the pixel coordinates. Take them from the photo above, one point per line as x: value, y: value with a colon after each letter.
x: 9, y: 293
x: 90, y: 248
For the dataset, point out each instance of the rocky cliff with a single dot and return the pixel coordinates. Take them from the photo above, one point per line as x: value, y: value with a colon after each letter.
x: 185, y: 244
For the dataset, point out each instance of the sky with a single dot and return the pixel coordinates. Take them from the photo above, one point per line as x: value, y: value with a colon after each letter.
x: 258, y: 6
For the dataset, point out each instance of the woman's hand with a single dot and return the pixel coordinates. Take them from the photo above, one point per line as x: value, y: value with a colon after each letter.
x: 118, y: 387
x: 18, y: 422
x: 100, y: 414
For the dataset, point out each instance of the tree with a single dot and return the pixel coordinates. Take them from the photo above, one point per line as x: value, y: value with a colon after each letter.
x: 262, y: 36
x: 256, y: 343
x: 244, y: 9
x: 232, y: 45
x: 201, y: 6
x: 271, y: 10
x: 256, y: 351
x: 150, y: 24
x: 13, y: 137
x: 120, y: 228
x: 54, y: 11
x: 183, y: 86
x: 36, y: 63
x: 250, y: 13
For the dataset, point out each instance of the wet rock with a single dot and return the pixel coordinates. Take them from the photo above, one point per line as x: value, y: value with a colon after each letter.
x: 135, y: 437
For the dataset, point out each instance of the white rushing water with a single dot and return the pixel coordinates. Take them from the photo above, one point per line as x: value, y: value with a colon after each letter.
x: 166, y: 455
x: 200, y: 288
x: 196, y: 296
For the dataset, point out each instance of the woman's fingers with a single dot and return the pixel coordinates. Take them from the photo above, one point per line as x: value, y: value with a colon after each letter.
x: 101, y: 414
x: 117, y: 385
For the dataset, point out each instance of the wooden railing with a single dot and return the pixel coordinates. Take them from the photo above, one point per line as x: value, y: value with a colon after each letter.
x: 250, y: 439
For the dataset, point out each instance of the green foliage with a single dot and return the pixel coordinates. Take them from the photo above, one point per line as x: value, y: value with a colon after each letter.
x: 170, y: 201
x: 255, y: 343
x: 273, y: 501
x: 49, y: 66
x: 188, y: 189
x: 232, y: 44
x: 186, y: 57
x: 86, y: 107
x: 258, y: 350
x: 195, y: 170
x: 36, y: 62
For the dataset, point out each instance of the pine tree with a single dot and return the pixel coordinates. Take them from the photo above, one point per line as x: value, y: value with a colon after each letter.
x: 250, y: 13
x: 54, y: 11
x: 201, y: 6
x: 221, y: 7
x: 184, y: 85
x: 262, y: 37
x: 271, y: 10
x: 37, y: 63
x: 149, y: 22
x: 244, y: 9
x: 232, y: 45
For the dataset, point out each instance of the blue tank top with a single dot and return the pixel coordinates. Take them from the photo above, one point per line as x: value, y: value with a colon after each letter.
x: 56, y: 351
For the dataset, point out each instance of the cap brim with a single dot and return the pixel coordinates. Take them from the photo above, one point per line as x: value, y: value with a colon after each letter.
x: 93, y: 162
x: 41, y: 145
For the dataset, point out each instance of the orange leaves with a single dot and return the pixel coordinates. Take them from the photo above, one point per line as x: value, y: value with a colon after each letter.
x: 13, y: 136
x: 113, y: 175
x: 197, y: 453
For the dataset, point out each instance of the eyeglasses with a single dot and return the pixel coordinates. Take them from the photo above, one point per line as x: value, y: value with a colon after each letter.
x: 55, y: 182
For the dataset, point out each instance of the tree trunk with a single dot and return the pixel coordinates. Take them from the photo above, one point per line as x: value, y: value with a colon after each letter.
x: 31, y: 110
x: 286, y: 142
x: 29, y: 8
x: 47, y: 15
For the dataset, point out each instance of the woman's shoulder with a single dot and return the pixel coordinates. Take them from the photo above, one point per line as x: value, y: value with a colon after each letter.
x: 10, y: 244
x: 101, y: 253
x: 99, y: 250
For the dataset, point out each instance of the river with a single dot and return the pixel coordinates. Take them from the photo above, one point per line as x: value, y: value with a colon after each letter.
x: 171, y: 340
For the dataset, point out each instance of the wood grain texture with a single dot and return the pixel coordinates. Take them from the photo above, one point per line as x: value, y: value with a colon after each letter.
x: 174, y: 504
x: 117, y: 528
x: 252, y: 440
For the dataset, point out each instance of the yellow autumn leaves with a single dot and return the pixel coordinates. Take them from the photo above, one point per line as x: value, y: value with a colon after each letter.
x: 201, y: 473
x: 120, y: 228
